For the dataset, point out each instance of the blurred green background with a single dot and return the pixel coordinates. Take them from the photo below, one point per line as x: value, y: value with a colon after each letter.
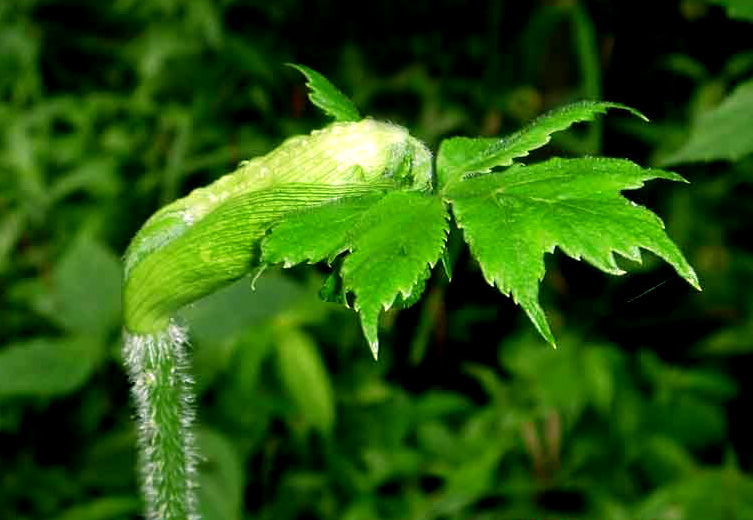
x: 110, y: 109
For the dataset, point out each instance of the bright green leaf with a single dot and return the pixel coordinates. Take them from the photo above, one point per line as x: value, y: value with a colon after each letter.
x: 45, y: 367
x: 317, y: 234
x: 396, y: 242
x: 328, y: 97
x: 722, y: 133
x: 305, y: 377
x: 332, y: 288
x: 511, y: 219
x: 460, y: 156
x: 392, y: 241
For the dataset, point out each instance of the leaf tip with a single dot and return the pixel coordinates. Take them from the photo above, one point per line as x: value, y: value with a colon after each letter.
x: 692, y: 279
x: 640, y: 115
x: 326, y: 96
x: 374, y: 346
x: 632, y: 110
x: 296, y: 66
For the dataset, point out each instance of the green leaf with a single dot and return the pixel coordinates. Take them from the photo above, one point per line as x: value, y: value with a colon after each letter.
x: 722, y: 133
x: 305, y: 377
x: 87, y: 288
x: 664, y: 459
x: 328, y: 97
x: 104, y: 508
x: 392, y: 241
x: 317, y: 234
x: 11, y: 229
x: 220, y: 477
x: 460, y: 156
x: 218, y: 320
x: 698, y: 496
x: 332, y: 288
x: 45, y: 367
x: 226, y: 314
x: 395, y: 244
x: 740, y: 9
x: 511, y: 219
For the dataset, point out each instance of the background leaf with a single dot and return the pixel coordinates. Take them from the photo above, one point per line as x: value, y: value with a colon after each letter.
x: 106, y: 508
x: 304, y: 376
x: 87, y: 288
x: 220, y: 477
x: 741, y: 9
x: 45, y: 367
x: 722, y: 133
x: 220, y: 319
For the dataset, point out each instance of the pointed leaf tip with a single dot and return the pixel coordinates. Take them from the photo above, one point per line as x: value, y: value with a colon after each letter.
x: 461, y: 156
x: 327, y: 96
x: 575, y: 205
x: 693, y: 280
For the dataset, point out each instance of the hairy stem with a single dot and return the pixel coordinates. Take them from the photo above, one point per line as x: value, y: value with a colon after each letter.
x: 158, y: 366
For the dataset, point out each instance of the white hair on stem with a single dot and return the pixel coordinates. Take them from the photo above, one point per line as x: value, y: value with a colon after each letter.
x: 159, y: 370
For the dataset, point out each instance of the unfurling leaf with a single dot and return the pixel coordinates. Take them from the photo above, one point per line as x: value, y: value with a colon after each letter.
x: 202, y: 242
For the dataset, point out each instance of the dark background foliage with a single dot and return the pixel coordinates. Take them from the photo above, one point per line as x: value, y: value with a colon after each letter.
x: 110, y: 109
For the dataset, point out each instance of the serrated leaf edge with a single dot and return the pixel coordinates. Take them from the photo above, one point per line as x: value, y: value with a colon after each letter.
x: 634, y: 253
x: 387, y: 305
x: 600, y: 108
x: 324, y: 103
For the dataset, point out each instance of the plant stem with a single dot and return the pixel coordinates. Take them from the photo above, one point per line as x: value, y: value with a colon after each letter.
x: 587, y: 52
x: 158, y: 367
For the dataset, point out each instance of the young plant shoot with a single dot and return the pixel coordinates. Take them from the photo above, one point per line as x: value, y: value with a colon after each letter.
x: 365, y: 192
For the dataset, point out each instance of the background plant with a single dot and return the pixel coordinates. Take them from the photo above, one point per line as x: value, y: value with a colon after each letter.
x: 98, y: 131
